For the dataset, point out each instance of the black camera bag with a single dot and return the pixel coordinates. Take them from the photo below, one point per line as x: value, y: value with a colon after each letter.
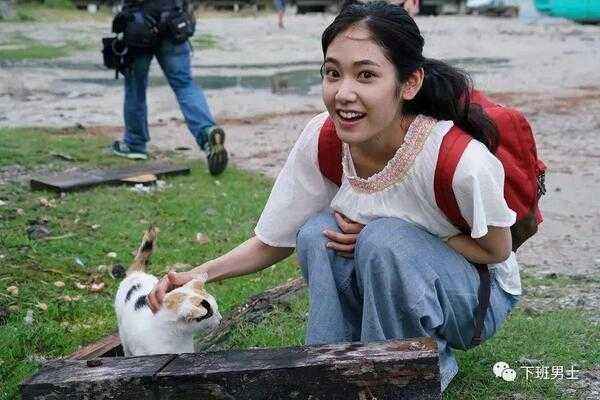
x: 181, y: 26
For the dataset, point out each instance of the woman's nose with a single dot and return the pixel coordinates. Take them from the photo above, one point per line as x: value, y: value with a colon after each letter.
x: 346, y: 92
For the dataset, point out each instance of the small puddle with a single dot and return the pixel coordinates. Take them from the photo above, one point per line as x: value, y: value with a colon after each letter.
x: 299, y: 81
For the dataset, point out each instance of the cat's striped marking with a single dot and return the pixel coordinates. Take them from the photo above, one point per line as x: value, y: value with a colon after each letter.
x: 131, y: 290
x: 141, y: 302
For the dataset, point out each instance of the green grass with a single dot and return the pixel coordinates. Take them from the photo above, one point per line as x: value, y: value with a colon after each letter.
x: 225, y: 209
x: 18, y: 48
x: 204, y: 41
x: 56, y: 11
x: 35, y: 148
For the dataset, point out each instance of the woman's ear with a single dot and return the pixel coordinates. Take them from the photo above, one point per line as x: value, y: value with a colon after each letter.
x: 413, y: 84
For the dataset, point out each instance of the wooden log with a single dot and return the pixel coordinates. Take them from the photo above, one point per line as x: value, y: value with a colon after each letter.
x: 114, y: 378
x: 77, y: 180
x: 395, y: 369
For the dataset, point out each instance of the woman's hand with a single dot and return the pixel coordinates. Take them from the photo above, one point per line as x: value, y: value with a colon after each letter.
x: 344, y: 242
x: 172, y: 280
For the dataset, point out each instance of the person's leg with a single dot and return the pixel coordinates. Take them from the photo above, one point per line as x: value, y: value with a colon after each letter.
x: 412, y: 285
x: 280, y: 7
x: 174, y: 59
x: 334, y: 314
x: 135, y: 110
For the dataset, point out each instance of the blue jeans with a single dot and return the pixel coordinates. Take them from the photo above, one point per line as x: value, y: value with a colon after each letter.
x: 174, y: 60
x: 403, y: 282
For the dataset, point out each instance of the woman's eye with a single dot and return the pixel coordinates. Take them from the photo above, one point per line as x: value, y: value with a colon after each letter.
x: 366, y: 75
x: 331, y: 73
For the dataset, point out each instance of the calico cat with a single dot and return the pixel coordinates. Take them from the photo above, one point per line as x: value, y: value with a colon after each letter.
x: 185, y: 310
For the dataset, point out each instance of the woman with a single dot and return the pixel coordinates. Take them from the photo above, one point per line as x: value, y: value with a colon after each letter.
x: 381, y: 259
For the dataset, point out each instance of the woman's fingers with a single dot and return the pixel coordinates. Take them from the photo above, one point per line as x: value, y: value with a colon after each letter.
x: 347, y: 225
x: 156, y: 296
x: 339, y: 237
x: 344, y: 248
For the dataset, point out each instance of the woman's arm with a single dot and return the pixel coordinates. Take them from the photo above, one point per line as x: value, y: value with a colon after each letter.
x: 492, y: 248
x: 251, y: 256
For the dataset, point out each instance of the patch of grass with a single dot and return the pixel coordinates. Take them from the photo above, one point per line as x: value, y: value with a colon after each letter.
x: 33, y: 51
x: 60, y: 4
x: 204, y: 41
x: 59, y: 11
x: 96, y: 222
x: 33, y: 148
x: 20, y: 47
x: 284, y: 326
x: 556, y: 338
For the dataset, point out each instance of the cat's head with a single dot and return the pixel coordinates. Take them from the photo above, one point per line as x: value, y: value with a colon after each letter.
x: 192, y: 307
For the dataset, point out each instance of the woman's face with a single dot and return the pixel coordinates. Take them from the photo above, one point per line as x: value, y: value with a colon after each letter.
x: 360, y: 88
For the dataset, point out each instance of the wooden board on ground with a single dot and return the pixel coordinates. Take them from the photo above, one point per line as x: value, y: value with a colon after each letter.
x: 77, y: 180
x: 109, y: 346
x: 394, y: 369
x: 144, y: 179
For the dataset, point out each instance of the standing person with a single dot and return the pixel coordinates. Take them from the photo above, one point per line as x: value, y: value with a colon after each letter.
x: 381, y: 259
x: 173, y: 56
x: 280, y: 7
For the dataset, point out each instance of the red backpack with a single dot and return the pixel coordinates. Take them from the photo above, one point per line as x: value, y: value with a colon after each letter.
x: 524, y: 171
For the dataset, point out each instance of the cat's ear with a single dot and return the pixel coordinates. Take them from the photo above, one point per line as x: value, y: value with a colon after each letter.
x: 197, y: 286
x: 173, y: 300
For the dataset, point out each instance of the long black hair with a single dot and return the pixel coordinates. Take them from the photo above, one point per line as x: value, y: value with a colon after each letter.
x: 446, y: 91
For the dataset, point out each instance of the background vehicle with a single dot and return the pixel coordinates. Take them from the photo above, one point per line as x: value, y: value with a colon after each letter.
x: 579, y: 10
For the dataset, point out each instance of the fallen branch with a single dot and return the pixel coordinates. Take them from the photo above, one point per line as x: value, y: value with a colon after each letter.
x: 254, y: 310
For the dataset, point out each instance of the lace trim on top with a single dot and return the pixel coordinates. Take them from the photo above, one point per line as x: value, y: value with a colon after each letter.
x: 398, y: 167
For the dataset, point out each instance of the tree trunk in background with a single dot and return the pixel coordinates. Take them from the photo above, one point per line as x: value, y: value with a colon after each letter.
x: 6, y: 9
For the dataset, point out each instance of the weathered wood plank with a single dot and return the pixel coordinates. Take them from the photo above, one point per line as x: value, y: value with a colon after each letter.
x: 387, y: 370
x: 116, y: 378
x: 105, y: 347
x: 382, y: 370
x: 77, y: 180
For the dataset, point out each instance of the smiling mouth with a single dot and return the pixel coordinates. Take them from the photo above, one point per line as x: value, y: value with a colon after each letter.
x: 350, y: 116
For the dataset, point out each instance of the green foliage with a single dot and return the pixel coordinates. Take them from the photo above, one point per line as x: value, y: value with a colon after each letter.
x: 19, y: 47
x: 204, y: 41
x: 64, y: 4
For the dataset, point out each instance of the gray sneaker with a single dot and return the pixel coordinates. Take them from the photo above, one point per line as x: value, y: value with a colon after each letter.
x: 122, y: 149
x: 216, y: 154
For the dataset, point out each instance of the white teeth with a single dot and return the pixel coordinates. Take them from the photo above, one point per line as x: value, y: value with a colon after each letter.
x: 349, y: 114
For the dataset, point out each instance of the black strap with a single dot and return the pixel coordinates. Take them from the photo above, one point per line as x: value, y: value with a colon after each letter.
x: 484, y: 302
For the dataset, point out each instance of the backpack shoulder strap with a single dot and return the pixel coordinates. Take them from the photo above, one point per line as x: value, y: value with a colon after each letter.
x: 452, y: 148
x: 330, y: 153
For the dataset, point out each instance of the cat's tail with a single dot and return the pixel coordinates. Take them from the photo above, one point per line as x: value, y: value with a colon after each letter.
x: 142, y: 256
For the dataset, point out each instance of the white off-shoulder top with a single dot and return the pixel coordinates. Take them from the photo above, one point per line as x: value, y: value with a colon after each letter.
x: 403, y: 189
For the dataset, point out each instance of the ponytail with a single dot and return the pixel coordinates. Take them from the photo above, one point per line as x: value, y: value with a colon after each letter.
x: 446, y: 95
